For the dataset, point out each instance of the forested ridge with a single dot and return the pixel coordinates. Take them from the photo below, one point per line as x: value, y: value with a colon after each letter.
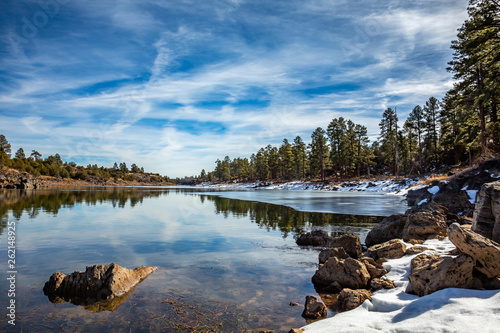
x: 54, y: 166
x: 461, y: 129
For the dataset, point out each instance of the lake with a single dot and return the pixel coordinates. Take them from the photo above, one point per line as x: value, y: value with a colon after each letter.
x: 227, y: 261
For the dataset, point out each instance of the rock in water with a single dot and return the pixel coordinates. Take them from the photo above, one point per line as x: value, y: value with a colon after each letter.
x: 326, y: 254
x: 486, y: 219
x: 350, y: 299
x: 313, y: 238
x: 485, y: 252
x: 393, y: 249
x: 350, y: 243
x: 348, y: 273
x: 97, y: 284
x: 429, y: 274
x: 314, y: 309
x: 389, y: 228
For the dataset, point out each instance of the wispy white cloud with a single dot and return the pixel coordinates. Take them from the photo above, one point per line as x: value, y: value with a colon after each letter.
x: 173, y: 85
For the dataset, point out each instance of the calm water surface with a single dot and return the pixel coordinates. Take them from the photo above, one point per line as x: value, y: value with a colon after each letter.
x: 223, y: 264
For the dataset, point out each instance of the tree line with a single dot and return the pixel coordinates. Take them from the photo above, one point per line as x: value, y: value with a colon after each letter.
x: 461, y: 128
x: 54, y: 166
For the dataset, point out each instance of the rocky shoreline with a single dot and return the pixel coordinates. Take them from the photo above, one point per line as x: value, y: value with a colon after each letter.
x: 13, y: 179
x: 346, y: 277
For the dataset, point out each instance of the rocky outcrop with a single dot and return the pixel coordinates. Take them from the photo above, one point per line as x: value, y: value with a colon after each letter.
x: 98, y: 284
x: 430, y: 273
x: 350, y: 299
x: 389, y: 228
x: 485, y: 252
x: 486, y: 219
x: 393, y: 249
x: 424, y: 225
x: 13, y: 179
x: 313, y: 308
x: 349, y: 242
x: 326, y: 254
x: 313, y: 238
x: 348, y: 273
x: 382, y: 283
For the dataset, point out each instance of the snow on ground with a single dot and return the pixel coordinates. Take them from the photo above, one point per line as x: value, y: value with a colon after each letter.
x: 389, y: 186
x: 448, y: 310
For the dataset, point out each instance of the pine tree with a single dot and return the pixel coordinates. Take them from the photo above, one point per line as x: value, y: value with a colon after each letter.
x: 4, y: 145
x: 388, y: 137
x: 20, y: 153
x: 475, y: 62
x: 319, y: 152
x: 300, y: 157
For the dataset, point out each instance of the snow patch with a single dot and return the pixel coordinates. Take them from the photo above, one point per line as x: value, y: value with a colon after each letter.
x: 422, y: 202
x: 472, y: 196
x: 448, y: 310
x: 433, y: 190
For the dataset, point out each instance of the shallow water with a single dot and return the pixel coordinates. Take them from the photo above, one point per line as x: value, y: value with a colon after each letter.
x: 223, y: 264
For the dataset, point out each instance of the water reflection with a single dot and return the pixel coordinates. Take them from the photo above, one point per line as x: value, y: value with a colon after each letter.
x: 265, y: 215
x: 282, y: 218
x: 223, y: 252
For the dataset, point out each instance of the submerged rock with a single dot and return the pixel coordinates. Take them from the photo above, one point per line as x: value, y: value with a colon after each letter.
x: 97, y: 287
x: 485, y: 252
x: 313, y: 308
x: 429, y: 274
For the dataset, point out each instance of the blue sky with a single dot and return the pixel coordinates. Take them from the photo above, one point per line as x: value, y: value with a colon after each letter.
x: 174, y: 85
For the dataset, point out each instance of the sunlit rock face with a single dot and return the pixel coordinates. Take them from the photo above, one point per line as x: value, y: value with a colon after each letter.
x: 99, y: 288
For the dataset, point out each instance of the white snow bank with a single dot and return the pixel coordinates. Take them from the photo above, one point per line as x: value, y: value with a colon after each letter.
x: 422, y: 202
x: 472, y: 195
x: 388, y: 186
x: 448, y: 310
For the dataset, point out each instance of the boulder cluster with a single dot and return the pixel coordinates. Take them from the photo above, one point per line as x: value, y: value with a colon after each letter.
x: 353, y: 275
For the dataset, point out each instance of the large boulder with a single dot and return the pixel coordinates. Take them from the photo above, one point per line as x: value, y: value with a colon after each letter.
x: 486, y: 219
x: 414, y: 197
x: 456, y: 200
x: 393, y: 249
x: 430, y: 273
x: 326, y: 254
x: 314, y: 238
x: 97, y: 284
x: 485, y: 252
x: 425, y: 224
x: 389, y: 228
x: 350, y: 299
x: 348, y: 273
x: 313, y: 308
x: 350, y: 243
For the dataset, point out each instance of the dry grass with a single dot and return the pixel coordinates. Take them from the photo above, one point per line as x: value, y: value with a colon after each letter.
x: 429, y: 180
